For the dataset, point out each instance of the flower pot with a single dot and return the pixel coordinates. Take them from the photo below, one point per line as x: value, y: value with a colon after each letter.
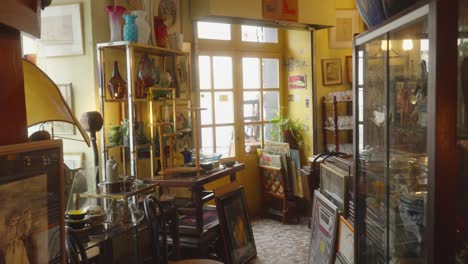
x: 289, y: 138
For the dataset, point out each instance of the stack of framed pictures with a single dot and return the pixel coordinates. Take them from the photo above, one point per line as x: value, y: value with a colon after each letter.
x: 327, y: 228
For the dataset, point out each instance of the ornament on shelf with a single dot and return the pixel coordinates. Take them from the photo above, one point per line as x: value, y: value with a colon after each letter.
x: 115, y: 13
x: 116, y: 85
x: 144, y: 29
x: 160, y: 32
x: 130, y: 30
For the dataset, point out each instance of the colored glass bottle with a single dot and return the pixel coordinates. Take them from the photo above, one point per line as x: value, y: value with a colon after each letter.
x: 160, y: 32
x: 115, y: 21
x: 116, y: 85
x: 130, y: 30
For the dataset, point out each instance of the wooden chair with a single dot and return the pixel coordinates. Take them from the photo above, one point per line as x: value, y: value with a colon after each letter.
x: 156, y: 217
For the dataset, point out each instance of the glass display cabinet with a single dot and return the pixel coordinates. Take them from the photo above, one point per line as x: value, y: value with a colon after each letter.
x: 405, y: 140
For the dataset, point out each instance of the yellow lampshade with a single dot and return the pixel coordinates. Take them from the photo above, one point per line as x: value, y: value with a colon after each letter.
x: 44, y: 102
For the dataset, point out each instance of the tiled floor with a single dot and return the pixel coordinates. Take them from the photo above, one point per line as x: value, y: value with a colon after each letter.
x: 280, y: 244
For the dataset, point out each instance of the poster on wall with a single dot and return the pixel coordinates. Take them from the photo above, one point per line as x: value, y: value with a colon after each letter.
x: 297, y: 81
x: 285, y: 10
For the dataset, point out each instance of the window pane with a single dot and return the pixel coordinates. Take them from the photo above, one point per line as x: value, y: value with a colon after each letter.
x: 225, y: 141
x: 270, y: 105
x: 206, y: 115
x: 204, y: 70
x: 209, y: 30
x: 207, y: 140
x: 224, y: 108
x: 251, y: 106
x: 253, y: 137
x: 268, y: 128
x: 259, y: 34
x: 270, y: 73
x: 251, y: 73
x: 222, y: 72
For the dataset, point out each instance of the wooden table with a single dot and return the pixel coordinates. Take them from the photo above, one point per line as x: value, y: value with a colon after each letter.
x: 195, y: 183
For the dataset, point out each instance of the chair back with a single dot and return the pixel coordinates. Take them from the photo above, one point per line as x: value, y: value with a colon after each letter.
x: 75, y: 250
x: 157, y: 227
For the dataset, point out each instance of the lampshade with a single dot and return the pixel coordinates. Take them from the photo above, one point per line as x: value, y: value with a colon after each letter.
x: 44, y: 102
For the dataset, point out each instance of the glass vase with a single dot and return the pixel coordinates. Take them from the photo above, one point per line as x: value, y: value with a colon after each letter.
x: 130, y: 30
x: 115, y: 21
x: 160, y: 32
x: 116, y: 85
x: 144, y: 29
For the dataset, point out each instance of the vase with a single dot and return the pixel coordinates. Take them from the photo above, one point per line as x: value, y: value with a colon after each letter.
x: 130, y: 30
x: 115, y: 21
x: 144, y: 29
x: 145, y: 77
x: 160, y: 32
x: 116, y: 85
x: 165, y: 78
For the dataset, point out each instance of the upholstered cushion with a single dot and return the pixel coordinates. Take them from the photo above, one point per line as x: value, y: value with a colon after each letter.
x: 196, y: 261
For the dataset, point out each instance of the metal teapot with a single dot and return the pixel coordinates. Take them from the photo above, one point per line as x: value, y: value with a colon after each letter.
x: 112, y: 174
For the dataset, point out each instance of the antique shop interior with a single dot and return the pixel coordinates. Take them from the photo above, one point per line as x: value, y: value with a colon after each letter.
x: 337, y: 131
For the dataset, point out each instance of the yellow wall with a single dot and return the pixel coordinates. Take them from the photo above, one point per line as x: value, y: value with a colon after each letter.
x: 78, y: 71
x: 298, y: 45
x: 323, y: 52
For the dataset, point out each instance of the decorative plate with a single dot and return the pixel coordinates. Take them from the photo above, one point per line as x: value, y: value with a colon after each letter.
x: 168, y: 11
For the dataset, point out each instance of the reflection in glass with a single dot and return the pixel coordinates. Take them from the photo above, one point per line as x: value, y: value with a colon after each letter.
x: 224, y: 108
x: 251, y: 73
x: 205, y: 102
x: 222, y: 72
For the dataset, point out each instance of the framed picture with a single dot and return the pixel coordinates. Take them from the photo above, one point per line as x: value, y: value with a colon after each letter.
x: 32, y: 211
x: 333, y: 184
x: 346, y: 242
x: 235, y: 225
x: 63, y: 128
x: 323, y: 230
x: 342, y: 34
x: 61, y: 33
x: 73, y: 160
x: 331, y: 72
x: 349, y: 69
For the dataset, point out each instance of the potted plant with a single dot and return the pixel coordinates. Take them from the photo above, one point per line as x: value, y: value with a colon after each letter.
x: 287, y: 130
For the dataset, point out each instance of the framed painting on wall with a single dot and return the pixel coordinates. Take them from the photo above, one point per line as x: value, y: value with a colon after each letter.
x: 331, y: 72
x: 32, y: 211
x: 61, y: 33
x: 235, y: 224
x: 342, y: 34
